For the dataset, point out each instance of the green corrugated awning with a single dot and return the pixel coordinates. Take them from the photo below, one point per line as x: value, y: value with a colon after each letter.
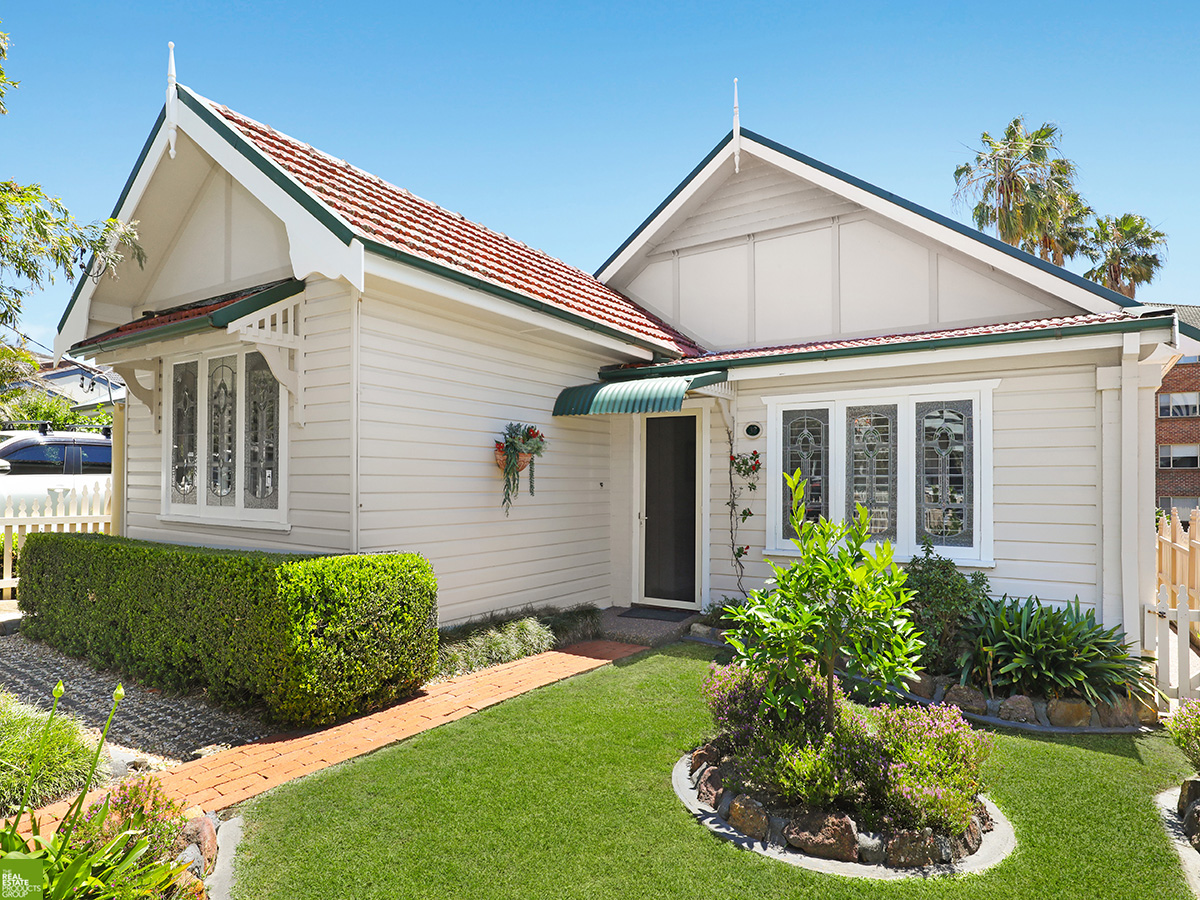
x: 643, y: 395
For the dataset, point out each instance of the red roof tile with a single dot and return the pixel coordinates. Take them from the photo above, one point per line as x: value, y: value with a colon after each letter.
x: 890, y: 340
x: 194, y: 310
x: 392, y: 216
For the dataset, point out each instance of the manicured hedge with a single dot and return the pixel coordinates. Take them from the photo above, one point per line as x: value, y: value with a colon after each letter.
x: 314, y: 638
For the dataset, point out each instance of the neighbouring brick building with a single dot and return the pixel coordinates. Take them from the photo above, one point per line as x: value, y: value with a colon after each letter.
x: 1178, y: 436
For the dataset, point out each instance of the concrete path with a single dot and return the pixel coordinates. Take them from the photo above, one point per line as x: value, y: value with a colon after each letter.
x: 231, y: 776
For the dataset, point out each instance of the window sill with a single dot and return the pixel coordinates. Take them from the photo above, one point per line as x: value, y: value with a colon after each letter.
x: 968, y: 563
x: 240, y: 524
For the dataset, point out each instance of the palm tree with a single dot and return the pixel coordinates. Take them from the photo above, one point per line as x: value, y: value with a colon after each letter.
x: 1024, y: 188
x: 1125, y: 252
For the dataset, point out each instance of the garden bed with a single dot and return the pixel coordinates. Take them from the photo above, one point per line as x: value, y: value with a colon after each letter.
x: 834, y: 843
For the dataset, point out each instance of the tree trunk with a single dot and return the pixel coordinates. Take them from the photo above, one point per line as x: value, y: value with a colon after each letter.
x: 830, y: 712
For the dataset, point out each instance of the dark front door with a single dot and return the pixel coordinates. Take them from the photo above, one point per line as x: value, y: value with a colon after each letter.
x: 670, y: 527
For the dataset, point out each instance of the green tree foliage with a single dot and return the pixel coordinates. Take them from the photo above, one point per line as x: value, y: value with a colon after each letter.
x: 1126, y: 252
x: 839, y: 598
x: 39, y: 238
x: 41, y: 406
x: 1024, y: 188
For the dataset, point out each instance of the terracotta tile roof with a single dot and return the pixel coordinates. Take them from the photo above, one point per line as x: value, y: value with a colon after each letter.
x: 396, y: 218
x: 891, y: 340
x: 193, y: 310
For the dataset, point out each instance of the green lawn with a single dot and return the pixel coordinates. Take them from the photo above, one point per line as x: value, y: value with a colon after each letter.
x: 565, y: 792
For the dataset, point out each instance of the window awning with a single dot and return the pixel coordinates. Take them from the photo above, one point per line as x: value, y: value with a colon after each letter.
x: 641, y: 395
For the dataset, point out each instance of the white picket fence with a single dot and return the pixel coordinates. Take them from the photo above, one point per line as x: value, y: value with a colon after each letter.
x: 71, y: 511
x: 1177, y: 602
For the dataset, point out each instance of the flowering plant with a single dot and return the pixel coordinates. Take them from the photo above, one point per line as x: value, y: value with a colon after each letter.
x: 517, y: 440
x: 748, y: 465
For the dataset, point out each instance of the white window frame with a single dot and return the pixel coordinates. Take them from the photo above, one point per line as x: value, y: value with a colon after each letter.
x: 238, y: 515
x: 1170, y: 395
x: 1171, y: 455
x: 980, y: 554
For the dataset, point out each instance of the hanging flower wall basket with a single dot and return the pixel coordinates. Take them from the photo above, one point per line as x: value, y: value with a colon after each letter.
x: 516, y: 450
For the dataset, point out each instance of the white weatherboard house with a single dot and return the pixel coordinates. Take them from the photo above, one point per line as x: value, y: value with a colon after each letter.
x: 320, y: 361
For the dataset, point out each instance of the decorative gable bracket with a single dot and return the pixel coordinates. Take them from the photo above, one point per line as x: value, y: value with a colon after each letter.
x: 275, y: 333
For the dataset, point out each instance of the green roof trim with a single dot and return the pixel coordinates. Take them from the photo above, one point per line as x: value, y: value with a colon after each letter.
x: 137, y: 167
x: 284, y: 180
x: 644, y: 395
x: 965, y: 230
x: 480, y: 284
x: 217, y: 319
x: 1011, y: 337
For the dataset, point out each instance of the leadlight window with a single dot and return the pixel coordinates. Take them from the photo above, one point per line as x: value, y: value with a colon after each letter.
x: 945, y: 476
x: 262, y: 435
x: 183, y: 432
x: 806, y: 448
x: 222, y: 431
x: 871, y: 466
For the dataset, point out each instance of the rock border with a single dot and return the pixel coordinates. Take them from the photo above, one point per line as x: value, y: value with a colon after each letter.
x: 1167, y: 803
x: 996, y: 846
x: 704, y: 634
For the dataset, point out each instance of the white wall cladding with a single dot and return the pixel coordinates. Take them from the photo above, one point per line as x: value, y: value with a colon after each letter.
x: 768, y: 258
x: 1046, y: 439
x: 319, y: 476
x: 436, y: 390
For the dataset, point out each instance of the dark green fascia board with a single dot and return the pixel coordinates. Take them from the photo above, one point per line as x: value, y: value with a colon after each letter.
x: 218, y: 319
x: 480, y: 284
x: 137, y: 167
x: 965, y: 230
x: 702, y: 365
x: 1190, y: 330
x: 340, y: 229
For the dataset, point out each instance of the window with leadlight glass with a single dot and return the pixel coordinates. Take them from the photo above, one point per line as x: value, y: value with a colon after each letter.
x: 222, y: 431
x: 262, y: 435
x: 945, y: 510
x: 184, y: 412
x: 806, y: 449
x: 871, y: 466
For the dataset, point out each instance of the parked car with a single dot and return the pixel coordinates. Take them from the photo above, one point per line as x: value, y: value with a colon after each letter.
x: 34, y: 466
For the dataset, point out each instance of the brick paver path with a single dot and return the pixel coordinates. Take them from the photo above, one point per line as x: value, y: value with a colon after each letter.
x: 231, y: 776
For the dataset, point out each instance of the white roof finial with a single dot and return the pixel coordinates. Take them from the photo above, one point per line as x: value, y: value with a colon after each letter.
x: 172, y: 98
x: 737, y: 132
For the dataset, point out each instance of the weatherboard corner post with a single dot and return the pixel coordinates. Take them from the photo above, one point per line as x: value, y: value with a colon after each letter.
x: 172, y: 113
x: 737, y: 130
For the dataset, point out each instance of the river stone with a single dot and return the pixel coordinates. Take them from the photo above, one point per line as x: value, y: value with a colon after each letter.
x: 748, y: 816
x: 201, y: 832
x: 1039, y: 710
x: 723, y: 804
x: 708, y: 755
x: 912, y: 849
x: 1117, y: 715
x: 922, y: 686
x: 1189, y: 793
x: 1147, y: 712
x: 966, y: 698
x: 708, y: 788
x: 969, y: 841
x: 1018, y: 708
x: 941, y: 684
x: 825, y: 835
x: 775, y: 831
x: 1068, y: 713
x: 872, y: 848
x: 192, y: 859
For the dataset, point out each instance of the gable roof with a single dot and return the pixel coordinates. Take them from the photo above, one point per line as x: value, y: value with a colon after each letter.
x: 389, y: 218
x: 646, y: 230
x: 1006, y: 332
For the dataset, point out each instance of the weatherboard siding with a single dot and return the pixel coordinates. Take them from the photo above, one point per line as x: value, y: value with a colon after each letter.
x: 436, y: 390
x: 1046, y: 475
x: 319, y: 469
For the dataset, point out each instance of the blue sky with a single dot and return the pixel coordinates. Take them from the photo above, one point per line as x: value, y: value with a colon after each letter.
x: 564, y: 125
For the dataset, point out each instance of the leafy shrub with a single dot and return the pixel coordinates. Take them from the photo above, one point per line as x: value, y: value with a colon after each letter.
x: 941, y: 602
x: 137, y: 805
x: 935, y: 766
x: 502, y: 643
x: 838, y: 598
x: 1184, y: 726
x: 315, y: 638
x: 1034, y: 648
x: 24, y: 730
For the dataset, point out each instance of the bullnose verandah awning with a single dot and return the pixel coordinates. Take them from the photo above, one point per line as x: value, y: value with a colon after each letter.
x: 639, y: 395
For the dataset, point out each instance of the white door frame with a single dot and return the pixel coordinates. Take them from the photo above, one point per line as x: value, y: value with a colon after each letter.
x: 699, y: 410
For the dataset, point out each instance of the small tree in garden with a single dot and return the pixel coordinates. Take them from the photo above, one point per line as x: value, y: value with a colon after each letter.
x: 839, y: 598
